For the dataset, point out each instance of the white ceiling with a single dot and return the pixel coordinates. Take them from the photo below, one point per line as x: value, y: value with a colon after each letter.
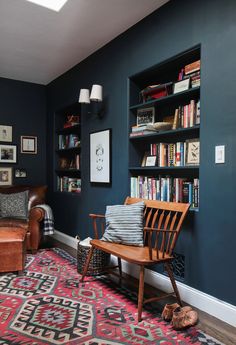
x: 38, y: 44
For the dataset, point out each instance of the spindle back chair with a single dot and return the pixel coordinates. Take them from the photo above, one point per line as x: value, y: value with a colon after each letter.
x: 162, y: 224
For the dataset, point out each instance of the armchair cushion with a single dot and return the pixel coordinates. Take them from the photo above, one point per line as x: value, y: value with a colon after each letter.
x: 124, y: 224
x: 14, y: 205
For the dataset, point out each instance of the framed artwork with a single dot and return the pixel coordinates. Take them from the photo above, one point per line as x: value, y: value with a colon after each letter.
x: 5, y: 133
x: 192, y: 152
x: 7, y: 153
x: 20, y: 173
x: 5, y: 176
x: 145, y: 116
x: 151, y: 161
x: 100, y: 156
x: 181, y: 86
x: 28, y: 144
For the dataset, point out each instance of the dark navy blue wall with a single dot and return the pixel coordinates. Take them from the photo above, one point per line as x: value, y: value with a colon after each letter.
x: 209, y: 243
x: 23, y: 106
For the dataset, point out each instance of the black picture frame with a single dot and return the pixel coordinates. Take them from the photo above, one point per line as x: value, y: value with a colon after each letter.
x: 145, y: 116
x: 100, y: 156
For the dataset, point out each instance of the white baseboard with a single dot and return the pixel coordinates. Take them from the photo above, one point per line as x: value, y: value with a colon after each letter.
x: 222, y: 310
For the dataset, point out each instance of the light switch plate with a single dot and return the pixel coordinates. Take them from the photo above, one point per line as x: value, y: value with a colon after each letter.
x: 220, y: 154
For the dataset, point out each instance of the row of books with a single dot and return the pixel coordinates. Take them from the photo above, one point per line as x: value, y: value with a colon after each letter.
x: 69, y: 184
x: 69, y: 163
x: 68, y: 141
x: 166, y: 189
x: 187, y: 115
x: 173, y: 154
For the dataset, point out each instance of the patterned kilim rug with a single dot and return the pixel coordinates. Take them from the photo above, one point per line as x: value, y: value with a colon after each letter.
x: 48, y: 305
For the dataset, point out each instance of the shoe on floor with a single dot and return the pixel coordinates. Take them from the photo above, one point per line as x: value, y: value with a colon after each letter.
x: 168, y: 310
x: 184, y: 317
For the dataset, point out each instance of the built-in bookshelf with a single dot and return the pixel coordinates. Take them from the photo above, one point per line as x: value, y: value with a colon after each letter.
x: 68, y: 149
x: 164, y: 130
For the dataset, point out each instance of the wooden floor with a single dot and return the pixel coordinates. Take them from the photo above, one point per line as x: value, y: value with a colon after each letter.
x: 221, y: 331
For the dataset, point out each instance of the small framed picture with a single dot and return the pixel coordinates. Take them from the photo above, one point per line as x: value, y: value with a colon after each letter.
x: 151, y: 161
x: 182, y: 85
x: 5, y: 176
x: 5, y: 133
x: 20, y: 173
x: 7, y: 153
x: 100, y: 156
x: 145, y: 116
x: 192, y: 152
x: 28, y: 144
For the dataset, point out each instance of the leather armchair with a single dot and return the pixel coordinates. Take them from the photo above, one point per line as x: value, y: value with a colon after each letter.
x: 37, y: 196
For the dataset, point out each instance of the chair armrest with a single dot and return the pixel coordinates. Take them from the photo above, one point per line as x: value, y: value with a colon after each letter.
x: 98, y: 224
x: 36, y: 214
x: 92, y: 215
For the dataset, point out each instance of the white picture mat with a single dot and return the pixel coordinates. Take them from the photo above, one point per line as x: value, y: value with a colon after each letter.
x: 100, y: 157
x: 5, y: 133
x: 7, y: 153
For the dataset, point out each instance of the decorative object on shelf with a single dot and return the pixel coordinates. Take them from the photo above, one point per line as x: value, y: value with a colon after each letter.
x: 145, y: 116
x: 7, y: 153
x: 181, y: 86
x: 28, y: 144
x: 5, y: 176
x: 100, y: 156
x: 20, y: 173
x: 96, y: 97
x: 192, y: 152
x: 5, y: 133
x: 155, y: 91
x: 151, y: 161
x: 160, y: 126
x: 72, y: 120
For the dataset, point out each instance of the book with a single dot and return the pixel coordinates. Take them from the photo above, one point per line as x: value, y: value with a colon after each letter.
x: 197, y: 115
x: 192, y: 67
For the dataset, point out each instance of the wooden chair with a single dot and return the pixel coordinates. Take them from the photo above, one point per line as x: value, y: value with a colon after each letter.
x: 162, y: 224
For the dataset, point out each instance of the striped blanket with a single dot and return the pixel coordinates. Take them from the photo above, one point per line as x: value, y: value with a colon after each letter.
x: 48, y: 222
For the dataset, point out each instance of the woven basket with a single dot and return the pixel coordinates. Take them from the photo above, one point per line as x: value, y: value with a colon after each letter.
x: 98, y: 262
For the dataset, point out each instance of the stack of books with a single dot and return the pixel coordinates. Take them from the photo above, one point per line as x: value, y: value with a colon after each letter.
x: 191, y: 71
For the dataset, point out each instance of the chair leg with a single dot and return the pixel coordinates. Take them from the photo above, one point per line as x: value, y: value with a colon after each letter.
x: 140, y: 292
x: 87, y: 264
x: 172, y: 279
x: 120, y: 266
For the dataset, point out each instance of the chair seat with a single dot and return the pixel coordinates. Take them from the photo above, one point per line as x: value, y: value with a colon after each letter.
x: 14, y: 222
x: 136, y: 255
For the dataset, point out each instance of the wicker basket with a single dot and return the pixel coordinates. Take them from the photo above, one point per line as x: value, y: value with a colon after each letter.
x: 98, y: 262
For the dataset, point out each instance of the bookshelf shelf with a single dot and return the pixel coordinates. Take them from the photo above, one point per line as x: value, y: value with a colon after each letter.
x: 69, y: 130
x: 169, y: 133
x: 68, y: 150
x: 173, y: 168
x: 167, y: 99
x: 167, y: 180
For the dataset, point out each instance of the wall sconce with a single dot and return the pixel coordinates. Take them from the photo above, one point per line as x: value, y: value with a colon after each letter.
x: 95, y: 98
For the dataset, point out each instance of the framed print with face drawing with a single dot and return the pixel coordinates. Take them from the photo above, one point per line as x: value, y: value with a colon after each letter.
x: 100, y: 156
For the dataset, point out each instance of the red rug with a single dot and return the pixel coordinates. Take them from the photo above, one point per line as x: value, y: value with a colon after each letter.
x: 48, y: 305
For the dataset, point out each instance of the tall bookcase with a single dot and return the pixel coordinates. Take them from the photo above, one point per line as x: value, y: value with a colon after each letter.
x: 166, y: 178
x: 68, y: 149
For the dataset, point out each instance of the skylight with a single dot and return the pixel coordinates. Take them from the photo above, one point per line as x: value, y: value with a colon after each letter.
x: 55, y: 5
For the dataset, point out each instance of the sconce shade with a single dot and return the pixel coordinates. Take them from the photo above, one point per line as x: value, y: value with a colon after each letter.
x: 96, y: 93
x: 84, y: 96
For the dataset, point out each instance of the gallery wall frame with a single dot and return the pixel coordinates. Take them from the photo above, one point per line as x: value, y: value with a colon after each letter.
x: 100, y: 156
x: 8, y: 153
x: 6, y: 133
x: 5, y: 176
x: 28, y: 144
